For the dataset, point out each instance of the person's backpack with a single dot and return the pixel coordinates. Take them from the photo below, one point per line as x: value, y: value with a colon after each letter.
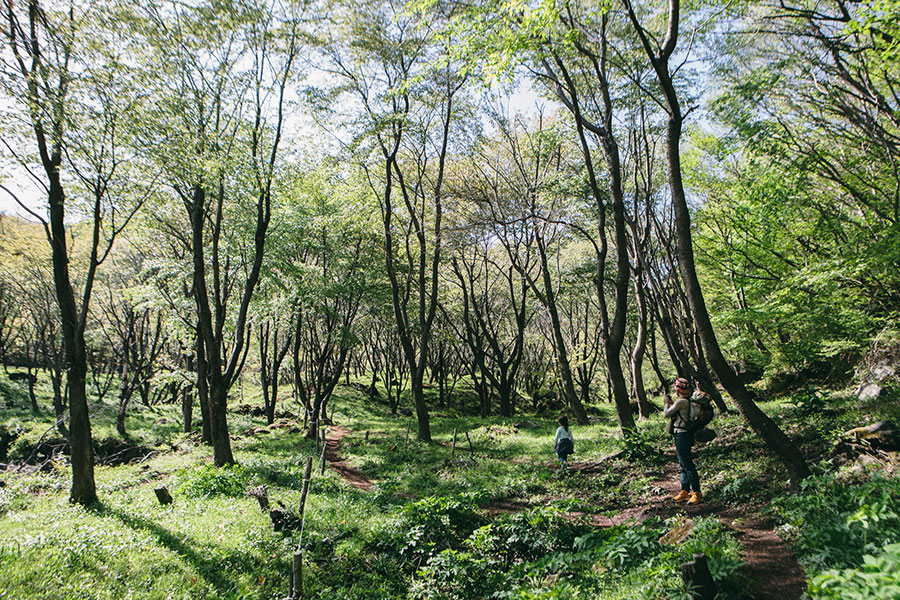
x: 701, y: 413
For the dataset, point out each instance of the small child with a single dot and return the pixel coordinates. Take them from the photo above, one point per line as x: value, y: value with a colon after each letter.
x: 564, y: 443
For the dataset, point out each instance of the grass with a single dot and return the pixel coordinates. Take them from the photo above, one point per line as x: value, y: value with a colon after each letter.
x: 419, y: 534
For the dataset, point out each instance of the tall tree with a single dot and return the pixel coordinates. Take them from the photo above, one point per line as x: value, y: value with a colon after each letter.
x: 659, y: 54
x: 217, y: 133
x: 404, y: 111
x: 73, y: 95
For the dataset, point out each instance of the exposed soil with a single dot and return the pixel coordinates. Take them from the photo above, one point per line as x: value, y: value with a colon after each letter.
x: 770, y: 565
x: 353, y: 476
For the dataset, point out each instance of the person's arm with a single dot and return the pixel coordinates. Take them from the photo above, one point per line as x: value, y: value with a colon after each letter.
x: 671, y: 410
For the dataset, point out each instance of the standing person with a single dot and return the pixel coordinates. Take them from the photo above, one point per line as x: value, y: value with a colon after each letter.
x: 564, y: 443
x: 679, y: 414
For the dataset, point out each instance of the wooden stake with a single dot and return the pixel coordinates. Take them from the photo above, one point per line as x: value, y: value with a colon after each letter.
x: 296, y: 578
x: 406, y: 443
x: 453, y: 450
x: 697, y: 579
x: 324, y: 446
x: 471, y: 449
x: 307, y: 475
x: 297, y: 575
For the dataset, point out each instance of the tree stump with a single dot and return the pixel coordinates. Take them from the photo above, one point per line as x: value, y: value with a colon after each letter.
x: 284, y: 519
x: 261, y: 493
x: 163, y: 495
x: 697, y: 579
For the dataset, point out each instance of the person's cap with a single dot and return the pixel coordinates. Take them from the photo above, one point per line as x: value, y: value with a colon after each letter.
x: 682, y: 384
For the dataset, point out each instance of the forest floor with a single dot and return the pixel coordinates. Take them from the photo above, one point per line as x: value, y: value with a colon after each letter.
x: 353, y: 476
x: 770, y: 566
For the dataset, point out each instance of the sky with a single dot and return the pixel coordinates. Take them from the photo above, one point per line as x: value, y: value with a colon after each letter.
x: 16, y: 179
x: 18, y: 182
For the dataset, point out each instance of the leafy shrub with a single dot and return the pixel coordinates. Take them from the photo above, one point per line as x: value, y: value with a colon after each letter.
x: 739, y: 489
x: 640, y: 445
x: 630, y: 546
x: 529, y: 535
x: 455, y: 575
x: 384, y: 492
x: 833, y: 524
x: 809, y: 401
x: 878, y: 578
x: 428, y: 526
x: 357, y: 578
x: 230, y: 480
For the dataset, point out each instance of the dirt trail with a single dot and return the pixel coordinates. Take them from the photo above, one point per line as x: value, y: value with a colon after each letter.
x: 353, y: 476
x: 770, y: 565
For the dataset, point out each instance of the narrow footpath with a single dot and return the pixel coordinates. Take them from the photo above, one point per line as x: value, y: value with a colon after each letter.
x: 769, y: 564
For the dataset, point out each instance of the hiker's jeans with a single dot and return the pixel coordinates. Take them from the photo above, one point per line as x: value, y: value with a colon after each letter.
x: 690, y: 480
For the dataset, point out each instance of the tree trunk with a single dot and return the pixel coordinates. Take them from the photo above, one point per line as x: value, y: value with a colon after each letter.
x: 505, y: 391
x: 616, y: 333
x: 187, y: 407
x: 218, y: 413
x: 203, y: 391
x: 565, y: 372
x: 268, y: 405
x: 562, y: 356
x: 418, y: 394
x: 59, y: 403
x: 771, y: 434
x: 83, y: 490
x: 124, y: 397
x: 640, y: 347
x: 31, y: 380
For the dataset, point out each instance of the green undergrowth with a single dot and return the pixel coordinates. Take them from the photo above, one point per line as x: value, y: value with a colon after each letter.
x: 493, y: 518
x: 845, y: 529
x: 445, y: 548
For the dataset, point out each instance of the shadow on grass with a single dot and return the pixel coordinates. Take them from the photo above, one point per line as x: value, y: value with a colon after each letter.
x: 211, y: 570
x: 275, y: 444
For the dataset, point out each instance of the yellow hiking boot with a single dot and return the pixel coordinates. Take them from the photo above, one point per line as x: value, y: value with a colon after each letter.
x: 681, y: 496
x: 696, y: 498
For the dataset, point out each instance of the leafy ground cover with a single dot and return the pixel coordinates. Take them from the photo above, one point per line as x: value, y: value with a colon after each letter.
x: 493, y: 518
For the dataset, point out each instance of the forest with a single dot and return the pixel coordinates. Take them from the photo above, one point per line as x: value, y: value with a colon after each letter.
x: 295, y: 293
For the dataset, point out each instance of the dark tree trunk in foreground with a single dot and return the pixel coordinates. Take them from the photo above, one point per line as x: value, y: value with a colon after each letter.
x: 44, y: 74
x: 764, y: 426
x: 84, y: 490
